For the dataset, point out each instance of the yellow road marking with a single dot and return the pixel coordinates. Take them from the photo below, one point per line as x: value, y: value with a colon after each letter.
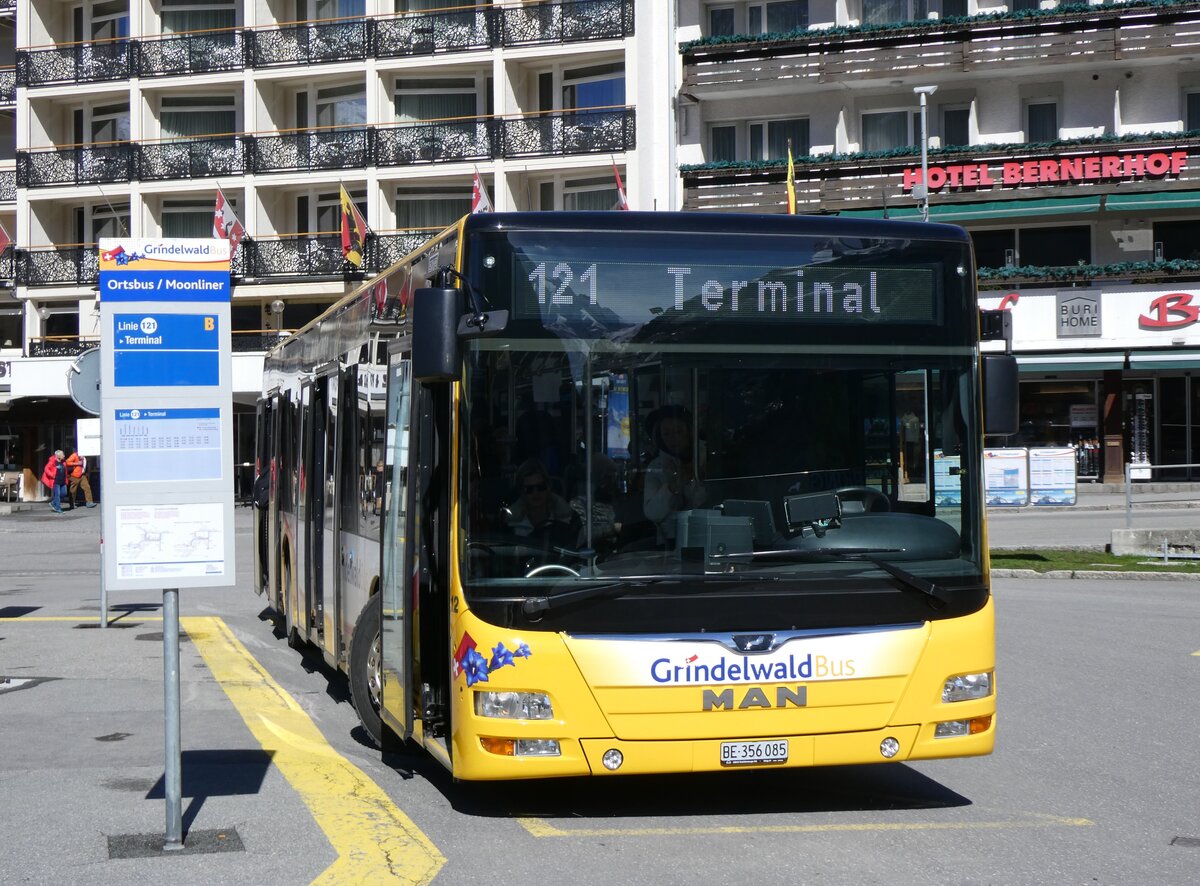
x: 539, y: 827
x: 374, y: 840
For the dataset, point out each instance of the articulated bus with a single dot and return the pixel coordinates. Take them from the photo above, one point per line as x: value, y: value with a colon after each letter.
x: 609, y: 493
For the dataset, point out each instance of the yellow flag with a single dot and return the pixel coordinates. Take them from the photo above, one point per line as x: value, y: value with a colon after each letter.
x: 791, y: 182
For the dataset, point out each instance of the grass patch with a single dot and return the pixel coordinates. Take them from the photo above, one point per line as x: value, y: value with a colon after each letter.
x: 1047, y: 560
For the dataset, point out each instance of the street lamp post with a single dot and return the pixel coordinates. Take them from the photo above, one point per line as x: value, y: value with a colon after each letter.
x: 921, y: 191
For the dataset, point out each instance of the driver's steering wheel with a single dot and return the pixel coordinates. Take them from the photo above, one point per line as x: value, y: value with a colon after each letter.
x: 867, y: 498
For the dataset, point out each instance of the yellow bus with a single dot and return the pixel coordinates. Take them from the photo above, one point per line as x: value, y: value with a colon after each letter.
x: 615, y: 493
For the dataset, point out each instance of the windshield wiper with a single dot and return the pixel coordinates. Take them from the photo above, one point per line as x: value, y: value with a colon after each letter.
x: 537, y: 605
x: 869, y: 555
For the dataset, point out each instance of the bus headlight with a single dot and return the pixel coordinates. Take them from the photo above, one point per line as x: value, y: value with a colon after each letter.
x: 965, y: 687
x: 514, y: 705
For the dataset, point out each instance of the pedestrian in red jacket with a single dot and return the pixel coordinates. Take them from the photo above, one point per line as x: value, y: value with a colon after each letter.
x: 54, y: 476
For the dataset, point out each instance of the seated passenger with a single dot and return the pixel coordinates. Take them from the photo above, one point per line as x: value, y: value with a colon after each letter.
x: 672, y: 481
x: 605, y: 527
x: 538, y: 508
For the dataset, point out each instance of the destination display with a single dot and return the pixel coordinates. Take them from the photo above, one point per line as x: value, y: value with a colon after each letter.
x: 573, y: 286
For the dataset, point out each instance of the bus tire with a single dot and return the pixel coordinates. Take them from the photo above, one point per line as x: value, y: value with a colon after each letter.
x: 366, y: 670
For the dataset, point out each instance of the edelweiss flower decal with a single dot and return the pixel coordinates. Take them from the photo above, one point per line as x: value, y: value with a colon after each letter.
x: 476, y: 668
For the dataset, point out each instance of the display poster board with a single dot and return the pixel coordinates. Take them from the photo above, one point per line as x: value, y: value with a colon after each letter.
x: 1006, y: 478
x: 166, y: 413
x: 617, y: 422
x: 1052, y: 476
x: 947, y: 480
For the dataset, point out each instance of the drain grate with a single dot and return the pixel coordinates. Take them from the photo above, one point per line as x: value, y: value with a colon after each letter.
x: 194, y: 843
x: 1189, y: 842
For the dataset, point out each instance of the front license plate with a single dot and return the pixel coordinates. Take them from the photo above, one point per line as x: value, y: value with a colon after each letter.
x: 738, y: 753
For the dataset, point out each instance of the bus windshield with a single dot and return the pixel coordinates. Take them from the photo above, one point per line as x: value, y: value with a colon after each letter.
x: 794, y: 409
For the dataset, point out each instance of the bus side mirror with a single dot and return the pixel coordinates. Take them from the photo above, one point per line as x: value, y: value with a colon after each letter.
x: 435, y: 351
x: 1001, y: 400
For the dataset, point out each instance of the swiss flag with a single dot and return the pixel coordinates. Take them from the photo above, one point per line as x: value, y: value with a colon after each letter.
x: 226, y: 225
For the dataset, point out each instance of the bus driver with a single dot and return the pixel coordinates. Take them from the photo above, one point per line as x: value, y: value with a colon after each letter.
x: 672, y: 481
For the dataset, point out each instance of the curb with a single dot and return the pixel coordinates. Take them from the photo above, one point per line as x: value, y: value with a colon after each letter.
x: 1098, y: 574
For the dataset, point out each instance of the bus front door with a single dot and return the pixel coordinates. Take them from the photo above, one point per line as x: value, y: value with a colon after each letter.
x: 396, y: 704
x: 326, y: 588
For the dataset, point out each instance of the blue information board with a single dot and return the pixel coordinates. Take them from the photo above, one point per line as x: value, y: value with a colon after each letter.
x: 155, y: 350
x: 168, y: 445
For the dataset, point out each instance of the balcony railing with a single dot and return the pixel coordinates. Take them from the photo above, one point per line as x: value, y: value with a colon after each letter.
x: 8, y: 186
x: 856, y: 182
x: 337, y: 40
x: 299, y: 256
x: 8, y: 86
x: 76, y: 63
x: 198, y: 53
x: 1071, y: 34
x: 310, y: 43
x: 585, y: 131
x: 61, y: 345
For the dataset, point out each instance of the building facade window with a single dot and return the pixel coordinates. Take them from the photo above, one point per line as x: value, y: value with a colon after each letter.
x: 1057, y: 246
x: 956, y: 127
x: 1041, y: 121
x: 187, y: 218
x: 722, y: 21
x: 106, y: 220
x: 722, y: 142
x: 601, y: 86
x: 435, y: 99
x: 769, y: 139
x: 1191, y: 111
x: 431, y: 208
x: 589, y: 194
x: 1179, y: 239
x: 181, y: 16
x: 887, y: 12
x: 12, y: 327
x: 184, y: 116
x: 886, y: 130
x: 777, y: 17
x: 322, y: 213
x: 102, y: 21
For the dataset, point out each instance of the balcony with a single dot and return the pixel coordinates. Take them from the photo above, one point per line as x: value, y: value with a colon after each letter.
x: 8, y: 186
x: 76, y: 63
x: 334, y: 40
x: 584, y: 131
x: 8, y: 87
x: 293, y: 256
x: 309, y: 43
x: 194, y: 158
x: 61, y: 345
x: 201, y: 53
x: 874, y: 181
x: 311, y: 150
x: 1076, y: 35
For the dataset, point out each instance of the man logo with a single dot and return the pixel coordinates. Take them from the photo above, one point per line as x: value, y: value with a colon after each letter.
x: 755, y: 698
x: 753, y: 642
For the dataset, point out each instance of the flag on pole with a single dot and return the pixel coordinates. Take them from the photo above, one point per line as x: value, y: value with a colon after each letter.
x: 226, y: 225
x: 354, y: 230
x: 5, y: 240
x: 479, y: 197
x: 622, y: 201
x: 791, y: 182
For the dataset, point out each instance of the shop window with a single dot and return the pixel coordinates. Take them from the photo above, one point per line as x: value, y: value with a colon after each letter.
x: 956, y: 127
x: 994, y: 249
x: 1058, y: 413
x: 1041, y: 121
x: 1057, y: 246
x: 12, y: 327
x: 1179, y: 239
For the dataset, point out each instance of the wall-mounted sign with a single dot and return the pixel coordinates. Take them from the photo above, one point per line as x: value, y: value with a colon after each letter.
x: 1078, y: 314
x: 1051, y: 170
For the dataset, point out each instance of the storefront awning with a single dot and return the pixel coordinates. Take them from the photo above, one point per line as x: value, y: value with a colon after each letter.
x: 1152, y: 200
x: 955, y: 212
x: 1069, y: 362
x: 1165, y: 360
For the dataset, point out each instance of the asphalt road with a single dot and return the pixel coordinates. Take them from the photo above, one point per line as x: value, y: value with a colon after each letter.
x: 1093, y: 781
x: 1077, y: 528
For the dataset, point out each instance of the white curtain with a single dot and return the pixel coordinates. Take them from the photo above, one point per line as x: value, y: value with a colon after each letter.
x: 434, y: 106
x: 431, y: 212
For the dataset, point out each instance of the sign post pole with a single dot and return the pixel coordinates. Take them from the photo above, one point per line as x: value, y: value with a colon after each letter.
x: 173, y: 769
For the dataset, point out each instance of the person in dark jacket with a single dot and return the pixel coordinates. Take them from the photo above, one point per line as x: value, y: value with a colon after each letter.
x: 54, y: 476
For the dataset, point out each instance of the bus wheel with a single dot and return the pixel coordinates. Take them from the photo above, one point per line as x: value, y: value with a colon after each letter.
x: 366, y: 670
